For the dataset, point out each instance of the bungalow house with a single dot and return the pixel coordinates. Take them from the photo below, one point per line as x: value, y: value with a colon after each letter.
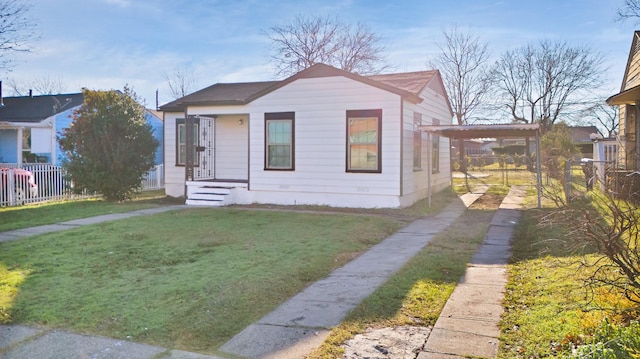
x: 321, y: 137
x: 29, y: 125
x: 628, y: 102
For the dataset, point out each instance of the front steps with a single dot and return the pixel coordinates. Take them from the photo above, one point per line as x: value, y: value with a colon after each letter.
x: 214, y: 194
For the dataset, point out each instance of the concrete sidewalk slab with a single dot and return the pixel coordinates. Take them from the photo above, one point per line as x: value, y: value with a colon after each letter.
x: 13, y: 334
x: 100, y: 219
x: 278, y: 339
x: 460, y: 343
x: 487, y: 328
x: 56, y: 345
x: 34, y: 231
x: 486, y: 275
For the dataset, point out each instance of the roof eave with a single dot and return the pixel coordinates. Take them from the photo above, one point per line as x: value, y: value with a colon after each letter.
x: 630, y: 97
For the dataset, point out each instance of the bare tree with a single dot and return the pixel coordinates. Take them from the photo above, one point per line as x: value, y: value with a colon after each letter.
x: 15, y: 88
x: 181, y: 83
x: 604, y: 116
x: 614, y: 232
x: 359, y: 51
x: 47, y: 85
x: 538, y: 82
x: 463, y: 63
x: 310, y: 40
x: 16, y: 29
x: 630, y: 10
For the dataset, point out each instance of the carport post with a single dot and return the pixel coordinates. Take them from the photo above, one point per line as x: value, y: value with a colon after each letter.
x: 538, y: 171
x: 429, y: 154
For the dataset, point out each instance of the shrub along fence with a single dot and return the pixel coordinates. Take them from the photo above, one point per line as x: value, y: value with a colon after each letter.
x: 45, y: 182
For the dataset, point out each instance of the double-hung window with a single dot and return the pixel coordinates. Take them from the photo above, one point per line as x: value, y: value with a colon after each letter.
x: 279, y: 141
x: 364, y: 129
x: 181, y: 142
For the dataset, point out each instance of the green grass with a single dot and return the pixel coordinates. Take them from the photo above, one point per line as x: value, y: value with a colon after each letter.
x: 418, y: 292
x: 548, y: 306
x: 53, y: 212
x: 187, y: 279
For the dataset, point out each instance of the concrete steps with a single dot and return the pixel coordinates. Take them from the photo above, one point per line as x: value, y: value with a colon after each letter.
x: 213, y: 194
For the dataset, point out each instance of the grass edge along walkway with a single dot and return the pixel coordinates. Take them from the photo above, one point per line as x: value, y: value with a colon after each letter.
x: 302, y: 323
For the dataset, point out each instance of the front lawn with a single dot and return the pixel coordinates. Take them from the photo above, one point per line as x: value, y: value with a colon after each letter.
x: 188, y: 279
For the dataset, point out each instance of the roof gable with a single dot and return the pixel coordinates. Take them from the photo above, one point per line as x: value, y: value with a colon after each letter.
x: 322, y: 70
x: 634, y: 57
x: 37, y: 108
x: 408, y: 85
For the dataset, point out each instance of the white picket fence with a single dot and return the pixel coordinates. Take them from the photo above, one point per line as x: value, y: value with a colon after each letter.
x: 52, y: 184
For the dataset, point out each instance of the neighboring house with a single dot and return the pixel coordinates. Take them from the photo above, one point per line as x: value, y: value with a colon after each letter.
x: 582, y: 137
x: 321, y: 137
x: 628, y: 100
x: 29, y: 126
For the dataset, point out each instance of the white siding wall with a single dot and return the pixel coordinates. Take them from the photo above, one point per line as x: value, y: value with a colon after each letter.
x: 415, y: 183
x: 231, y: 148
x: 320, y: 106
x: 174, y: 176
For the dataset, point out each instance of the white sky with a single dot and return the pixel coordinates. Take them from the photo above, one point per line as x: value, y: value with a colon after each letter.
x: 106, y: 44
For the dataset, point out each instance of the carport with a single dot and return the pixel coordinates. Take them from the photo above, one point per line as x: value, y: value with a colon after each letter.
x: 463, y: 132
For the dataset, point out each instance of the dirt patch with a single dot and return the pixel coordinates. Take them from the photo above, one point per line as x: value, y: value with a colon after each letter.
x: 387, y: 343
x: 488, y: 201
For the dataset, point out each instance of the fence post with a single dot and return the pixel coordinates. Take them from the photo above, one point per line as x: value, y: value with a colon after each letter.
x: 567, y: 181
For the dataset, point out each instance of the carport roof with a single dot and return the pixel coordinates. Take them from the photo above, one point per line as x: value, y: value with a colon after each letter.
x: 484, y: 131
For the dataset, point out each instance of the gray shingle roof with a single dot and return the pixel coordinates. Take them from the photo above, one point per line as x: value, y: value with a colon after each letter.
x: 220, y: 94
x: 37, y: 108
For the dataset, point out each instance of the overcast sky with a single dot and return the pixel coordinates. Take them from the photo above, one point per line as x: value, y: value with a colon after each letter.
x: 105, y: 44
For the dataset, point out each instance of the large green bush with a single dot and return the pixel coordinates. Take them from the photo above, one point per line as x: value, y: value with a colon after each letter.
x: 109, y: 145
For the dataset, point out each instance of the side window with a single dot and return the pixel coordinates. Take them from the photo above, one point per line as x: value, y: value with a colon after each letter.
x: 364, y: 136
x: 279, y: 141
x: 417, y: 141
x: 181, y: 142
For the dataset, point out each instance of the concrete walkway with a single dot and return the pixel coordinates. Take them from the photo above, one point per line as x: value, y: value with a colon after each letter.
x: 304, y: 321
x: 467, y: 325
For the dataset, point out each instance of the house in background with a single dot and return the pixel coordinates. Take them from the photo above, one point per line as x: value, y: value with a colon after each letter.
x: 321, y: 137
x: 29, y: 126
x: 582, y: 137
x: 628, y: 100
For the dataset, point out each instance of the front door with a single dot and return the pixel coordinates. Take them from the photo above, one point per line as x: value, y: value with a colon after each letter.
x: 201, y: 139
